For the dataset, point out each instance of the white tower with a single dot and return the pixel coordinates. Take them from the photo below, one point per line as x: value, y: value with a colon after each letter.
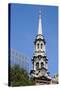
x: 40, y: 62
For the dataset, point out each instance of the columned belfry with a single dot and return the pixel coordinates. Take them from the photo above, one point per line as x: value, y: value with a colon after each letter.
x: 40, y: 73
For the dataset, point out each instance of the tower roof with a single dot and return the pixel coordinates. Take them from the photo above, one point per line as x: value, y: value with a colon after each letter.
x: 39, y: 25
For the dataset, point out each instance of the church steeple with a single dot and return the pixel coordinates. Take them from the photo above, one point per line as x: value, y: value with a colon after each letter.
x: 40, y: 25
x: 39, y: 60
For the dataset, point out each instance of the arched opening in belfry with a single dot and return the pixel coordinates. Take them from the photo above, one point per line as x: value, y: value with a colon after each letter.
x: 42, y: 64
x: 41, y: 45
x: 38, y: 45
x: 37, y: 65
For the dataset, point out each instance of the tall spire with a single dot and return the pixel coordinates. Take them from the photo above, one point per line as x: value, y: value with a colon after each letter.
x: 39, y: 25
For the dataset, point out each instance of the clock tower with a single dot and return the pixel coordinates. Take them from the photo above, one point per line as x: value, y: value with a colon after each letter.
x: 40, y: 73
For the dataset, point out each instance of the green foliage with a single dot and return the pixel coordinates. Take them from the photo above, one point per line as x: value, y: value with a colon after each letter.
x: 19, y: 77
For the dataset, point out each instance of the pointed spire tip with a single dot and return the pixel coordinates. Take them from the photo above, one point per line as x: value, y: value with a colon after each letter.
x: 40, y: 24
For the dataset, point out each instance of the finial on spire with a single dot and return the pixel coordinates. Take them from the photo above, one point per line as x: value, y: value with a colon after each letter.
x: 40, y: 24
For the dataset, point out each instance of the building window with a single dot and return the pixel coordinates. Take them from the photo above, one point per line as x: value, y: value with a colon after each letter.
x: 38, y: 45
x: 37, y: 66
x: 41, y: 45
x: 42, y: 64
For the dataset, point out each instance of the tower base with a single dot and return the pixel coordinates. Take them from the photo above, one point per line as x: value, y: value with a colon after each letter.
x: 42, y: 81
